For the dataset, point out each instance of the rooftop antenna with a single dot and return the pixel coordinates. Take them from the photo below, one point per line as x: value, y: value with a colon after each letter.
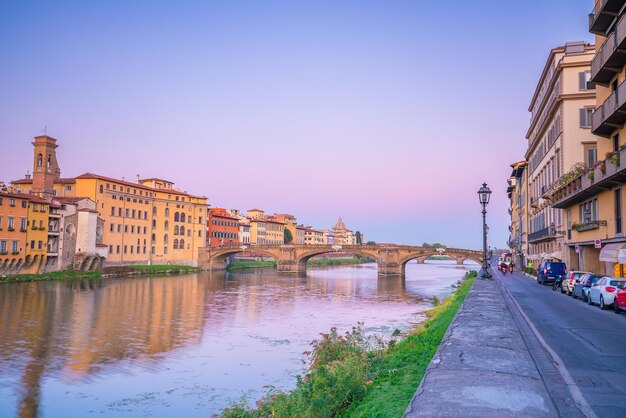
x: 45, y: 130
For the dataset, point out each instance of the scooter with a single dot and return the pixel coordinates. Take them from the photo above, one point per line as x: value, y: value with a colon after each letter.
x: 557, y: 283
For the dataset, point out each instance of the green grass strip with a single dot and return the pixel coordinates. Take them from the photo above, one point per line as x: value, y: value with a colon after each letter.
x: 358, y: 375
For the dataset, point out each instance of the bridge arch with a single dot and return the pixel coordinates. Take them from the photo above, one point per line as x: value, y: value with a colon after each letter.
x: 305, y: 256
x: 422, y: 255
x: 218, y: 255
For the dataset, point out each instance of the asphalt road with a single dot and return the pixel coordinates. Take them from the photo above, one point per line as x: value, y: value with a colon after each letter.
x: 590, y: 342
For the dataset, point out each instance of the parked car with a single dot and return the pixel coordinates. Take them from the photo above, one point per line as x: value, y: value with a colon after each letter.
x: 620, y: 300
x: 582, y: 285
x: 549, y: 271
x: 603, y: 291
x: 567, y: 286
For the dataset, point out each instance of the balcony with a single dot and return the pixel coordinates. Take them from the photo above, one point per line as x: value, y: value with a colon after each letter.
x: 611, y: 56
x: 606, y: 175
x: 541, y: 235
x: 588, y: 226
x: 603, y: 14
x: 53, y: 231
x: 611, y: 114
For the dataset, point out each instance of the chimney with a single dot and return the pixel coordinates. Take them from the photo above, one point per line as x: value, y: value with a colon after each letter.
x: 137, y: 178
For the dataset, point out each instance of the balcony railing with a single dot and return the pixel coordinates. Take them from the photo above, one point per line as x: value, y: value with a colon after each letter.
x: 588, y: 226
x: 542, y: 234
x: 604, y: 11
x: 605, y: 175
x: 610, y: 58
x: 611, y: 114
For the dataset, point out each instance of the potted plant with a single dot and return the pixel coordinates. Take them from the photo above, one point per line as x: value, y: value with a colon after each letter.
x: 15, y: 253
x: 615, y: 159
x: 4, y: 252
x: 602, y: 166
x: 590, y: 175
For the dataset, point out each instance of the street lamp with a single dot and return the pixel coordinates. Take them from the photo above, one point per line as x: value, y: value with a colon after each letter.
x: 484, y: 193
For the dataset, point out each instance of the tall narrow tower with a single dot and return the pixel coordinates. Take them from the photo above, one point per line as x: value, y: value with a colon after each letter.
x: 45, y: 166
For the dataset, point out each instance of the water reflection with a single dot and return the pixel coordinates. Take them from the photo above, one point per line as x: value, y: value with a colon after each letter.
x: 144, y: 346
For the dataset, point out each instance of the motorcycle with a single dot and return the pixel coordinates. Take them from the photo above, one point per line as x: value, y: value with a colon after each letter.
x: 557, y: 283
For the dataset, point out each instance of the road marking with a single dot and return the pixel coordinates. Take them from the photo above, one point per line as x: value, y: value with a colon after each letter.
x: 577, y: 395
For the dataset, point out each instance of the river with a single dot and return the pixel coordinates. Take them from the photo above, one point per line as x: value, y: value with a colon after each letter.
x: 187, y: 345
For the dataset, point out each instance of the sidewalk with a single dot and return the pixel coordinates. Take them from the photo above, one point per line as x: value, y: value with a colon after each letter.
x: 483, y: 367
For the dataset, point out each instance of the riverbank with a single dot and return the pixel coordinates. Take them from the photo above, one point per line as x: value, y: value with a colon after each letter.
x: 314, y: 262
x: 358, y: 375
x: 141, y: 270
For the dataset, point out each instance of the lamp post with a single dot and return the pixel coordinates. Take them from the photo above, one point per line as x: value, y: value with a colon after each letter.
x: 483, y: 195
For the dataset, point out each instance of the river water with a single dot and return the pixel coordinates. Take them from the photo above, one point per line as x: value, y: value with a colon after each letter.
x: 187, y: 345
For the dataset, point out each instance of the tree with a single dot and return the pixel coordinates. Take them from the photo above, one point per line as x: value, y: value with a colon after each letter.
x: 358, y: 238
x: 371, y: 242
x: 425, y: 245
x: 288, y: 236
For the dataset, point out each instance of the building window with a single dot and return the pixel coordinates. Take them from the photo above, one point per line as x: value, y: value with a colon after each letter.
x: 182, y: 230
x: 182, y: 217
x: 119, y: 227
x: 24, y: 204
x: 167, y: 211
x: 175, y: 229
x: 68, y: 188
x: 112, y: 228
x: 101, y: 188
x: 585, y: 117
x: 14, y: 246
x: 591, y: 155
x: 176, y: 217
x: 117, y: 248
x: 584, y: 81
x: 588, y: 209
x: 616, y: 143
x: 182, y: 244
x: 23, y: 224
x: 175, y: 244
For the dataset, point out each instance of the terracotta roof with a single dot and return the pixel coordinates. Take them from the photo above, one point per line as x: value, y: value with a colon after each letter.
x: 25, y: 196
x: 156, y: 179
x: 58, y: 181
x: 136, y: 185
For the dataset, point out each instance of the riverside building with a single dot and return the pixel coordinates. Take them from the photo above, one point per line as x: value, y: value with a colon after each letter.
x: 594, y: 200
x: 559, y: 137
x: 142, y: 222
x: 517, y: 192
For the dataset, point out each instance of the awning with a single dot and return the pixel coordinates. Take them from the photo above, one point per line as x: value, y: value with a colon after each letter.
x: 609, y: 252
x: 557, y: 254
x: 621, y: 255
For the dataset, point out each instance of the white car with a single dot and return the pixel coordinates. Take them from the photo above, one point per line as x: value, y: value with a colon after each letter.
x: 603, y: 292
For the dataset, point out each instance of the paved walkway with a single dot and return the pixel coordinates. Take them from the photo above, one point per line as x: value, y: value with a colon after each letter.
x: 483, y: 367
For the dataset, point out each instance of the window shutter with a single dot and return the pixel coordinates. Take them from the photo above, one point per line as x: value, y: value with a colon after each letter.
x: 582, y: 81
x: 583, y: 117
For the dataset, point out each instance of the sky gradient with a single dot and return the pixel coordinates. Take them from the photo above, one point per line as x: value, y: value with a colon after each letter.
x: 388, y: 113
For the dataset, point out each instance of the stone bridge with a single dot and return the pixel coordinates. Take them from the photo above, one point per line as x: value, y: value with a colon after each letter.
x: 391, y: 259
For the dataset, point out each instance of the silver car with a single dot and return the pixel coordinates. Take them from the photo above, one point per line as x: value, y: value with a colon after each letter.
x: 603, y: 292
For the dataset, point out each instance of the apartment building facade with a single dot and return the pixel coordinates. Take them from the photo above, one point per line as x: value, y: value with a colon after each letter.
x: 559, y: 137
x: 143, y: 222
x: 223, y: 229
x: 517, y: 192
x: 594, y: 200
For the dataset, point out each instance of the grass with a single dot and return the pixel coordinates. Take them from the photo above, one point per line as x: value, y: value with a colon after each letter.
x: 54, y: 275
x: 337, y: 261
x: 355, y: 375
x: 249, y: 264
x: 109, y: 271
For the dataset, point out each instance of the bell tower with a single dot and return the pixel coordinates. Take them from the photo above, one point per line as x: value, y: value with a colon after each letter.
x: 45, y: 166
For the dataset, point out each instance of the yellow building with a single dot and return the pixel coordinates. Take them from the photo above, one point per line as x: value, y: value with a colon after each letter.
x: 258, y: 229
x: 290, y: 223
x: 517, y: 191
x: 559, y: 137
x: 145, y: 222
x: 274, y: 232
x: 313, y: 236
x: 37, y: 233
x: 594, y: 200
